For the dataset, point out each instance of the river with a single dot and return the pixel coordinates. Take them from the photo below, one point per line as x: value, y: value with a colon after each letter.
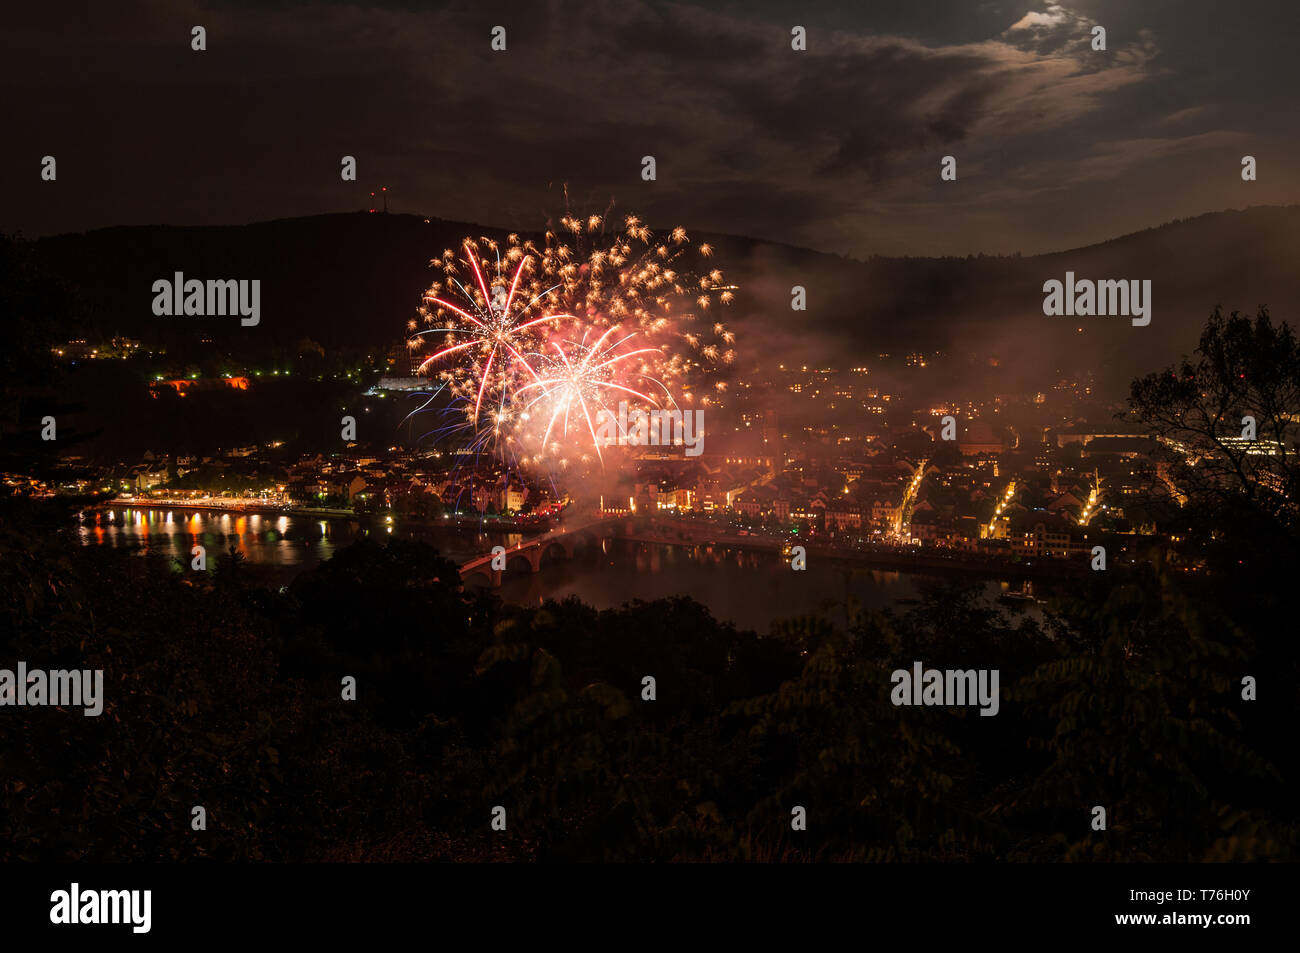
x: 287, y: 545
x: 749, y: 588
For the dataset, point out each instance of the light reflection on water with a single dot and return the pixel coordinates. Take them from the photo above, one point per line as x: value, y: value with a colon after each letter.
x: 750, y: 588
x: 288, y: 543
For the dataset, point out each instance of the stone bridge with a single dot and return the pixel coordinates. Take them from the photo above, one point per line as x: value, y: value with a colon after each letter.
x: 528, y: 555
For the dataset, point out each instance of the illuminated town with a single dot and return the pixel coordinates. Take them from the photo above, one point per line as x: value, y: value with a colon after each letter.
x: 725, y: 434
x: 822, y: 455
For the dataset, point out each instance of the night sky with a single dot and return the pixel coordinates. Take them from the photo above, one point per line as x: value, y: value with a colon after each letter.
x: 836, y: 148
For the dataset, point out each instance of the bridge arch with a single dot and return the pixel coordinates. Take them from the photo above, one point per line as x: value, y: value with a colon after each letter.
x: 554, y: 549
x: 481, y: 573
x: 583, y: 540
x: 523, y: 560
x: 529, y: 556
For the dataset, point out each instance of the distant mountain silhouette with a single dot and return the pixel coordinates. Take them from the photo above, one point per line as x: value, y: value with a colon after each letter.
x: 351, y: 281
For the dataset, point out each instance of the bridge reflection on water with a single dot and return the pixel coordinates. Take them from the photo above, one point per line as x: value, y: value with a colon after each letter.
x: 742, y: 579
x: 528, y: 555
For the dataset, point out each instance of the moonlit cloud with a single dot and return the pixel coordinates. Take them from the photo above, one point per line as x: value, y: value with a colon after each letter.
x: 837, y: 148
x: 1053, y: 16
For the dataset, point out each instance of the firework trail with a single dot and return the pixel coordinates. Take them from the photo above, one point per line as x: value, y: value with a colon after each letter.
x: 574, y: 385
x: 488, y: 329
x: 506, y: 326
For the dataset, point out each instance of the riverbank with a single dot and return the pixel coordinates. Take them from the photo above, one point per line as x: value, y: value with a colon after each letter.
x: 656, y: 530
x: 488, y: 524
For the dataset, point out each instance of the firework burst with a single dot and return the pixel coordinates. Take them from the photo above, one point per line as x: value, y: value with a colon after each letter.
x: 483, y: 337
x: 575, y: 384
x: 506, y: 326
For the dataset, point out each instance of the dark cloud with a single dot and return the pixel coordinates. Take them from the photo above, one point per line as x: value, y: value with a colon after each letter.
x: 837, y: 148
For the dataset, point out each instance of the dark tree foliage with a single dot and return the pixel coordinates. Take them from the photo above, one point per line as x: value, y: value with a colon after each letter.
x: 1242, y: 368
x: 226, y: 694
x: 35, y: 307
x: 1238, y: 501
